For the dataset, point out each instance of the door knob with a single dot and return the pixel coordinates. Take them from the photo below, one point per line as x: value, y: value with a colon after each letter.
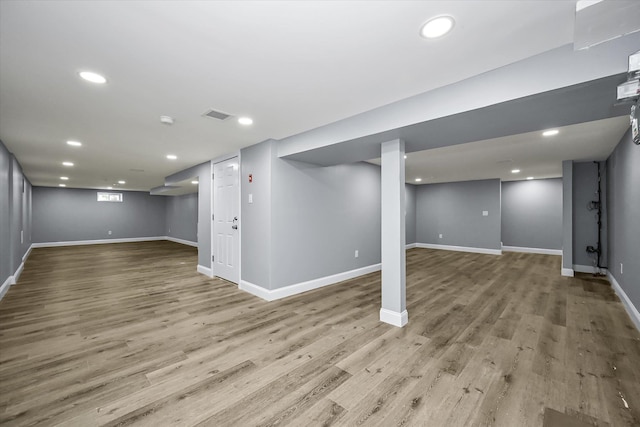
x: 235, y: 227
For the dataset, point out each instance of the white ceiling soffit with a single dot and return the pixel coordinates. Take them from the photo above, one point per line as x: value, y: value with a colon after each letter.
x: 603, y: 20
x: 177, y: 189
x: 291, y: 66
x: 532, y: 153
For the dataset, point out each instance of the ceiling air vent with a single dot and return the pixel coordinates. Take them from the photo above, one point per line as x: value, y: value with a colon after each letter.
x: 216, y: 114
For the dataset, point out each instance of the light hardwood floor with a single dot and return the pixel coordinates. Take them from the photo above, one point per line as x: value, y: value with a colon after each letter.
x: 130, y: 334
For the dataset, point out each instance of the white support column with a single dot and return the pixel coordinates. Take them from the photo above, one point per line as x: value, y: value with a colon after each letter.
x: 394, y: 305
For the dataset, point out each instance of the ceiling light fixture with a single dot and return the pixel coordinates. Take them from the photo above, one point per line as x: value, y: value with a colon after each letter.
x: 405, y: 156
x: 529, y: 178
x: 109, y: 188
x: 122, y: 182
x: 69, y: 164
x: 246, y: 121
x: 515, y: 171
x: 418, y: 179
x: 550, y: 132
x: 74, y: 143
x: 194, y: 182
x: 172, y: 156
x: 64, y: 178
x: 437, y: 27
x: 92, y: 77
x: 62, y: 185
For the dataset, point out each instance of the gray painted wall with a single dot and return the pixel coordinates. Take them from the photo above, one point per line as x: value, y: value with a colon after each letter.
x: 455, y: 211
x: 567, y: 216
x: 182, y: 217
x: 623, y: 204
x: 15, y: 214
x: 410, y: 219
x: 532, y: 213
x: 320, y: 216
x: 5, y: 209
x: 67, y: 214
x: 585, y: 225
x: 203, y: 173
x: 255, y: 221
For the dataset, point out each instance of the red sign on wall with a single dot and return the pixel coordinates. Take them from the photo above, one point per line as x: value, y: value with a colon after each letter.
x: 250, y: 177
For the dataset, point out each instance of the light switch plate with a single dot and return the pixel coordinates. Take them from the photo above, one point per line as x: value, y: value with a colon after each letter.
x: 485, y: 213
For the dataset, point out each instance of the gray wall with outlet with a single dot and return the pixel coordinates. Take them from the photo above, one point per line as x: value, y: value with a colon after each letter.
x: 182, y: 217
x: 320, y: 217
x: 532, y: 213
x: 463, y: 213
x: 585, y: 222
x: 623, y: 205
x: 69, y: 214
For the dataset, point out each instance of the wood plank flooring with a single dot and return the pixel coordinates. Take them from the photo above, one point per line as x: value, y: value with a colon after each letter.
x: 130, y: 334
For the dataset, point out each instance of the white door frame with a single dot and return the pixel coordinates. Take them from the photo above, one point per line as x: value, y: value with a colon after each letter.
x: 213, y: 164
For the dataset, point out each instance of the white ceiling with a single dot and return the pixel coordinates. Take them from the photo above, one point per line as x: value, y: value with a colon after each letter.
x: 291, y: 66
x: 532, y: 153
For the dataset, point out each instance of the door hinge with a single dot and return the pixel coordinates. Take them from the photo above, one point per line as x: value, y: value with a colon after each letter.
x: 213, y: 258
x: 213, y: 176
x: 213, y: 217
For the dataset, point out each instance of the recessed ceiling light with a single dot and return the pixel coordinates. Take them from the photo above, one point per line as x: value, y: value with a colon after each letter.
x: 245, y: 121
x: 109, y: 188
x: 405, y: 156
x: 62, y: 185
x: 122, y: 182
x: 194, y: 182
x: 64, y: 178
x: 550, y: 132
x: 437, y: 27
x: 74, y: 143
x: 172, y: 156
x: 529, y: 178
x: 67, y: 164
x: 515, y: 171
x: 92, y: 77
x: 418, y: 179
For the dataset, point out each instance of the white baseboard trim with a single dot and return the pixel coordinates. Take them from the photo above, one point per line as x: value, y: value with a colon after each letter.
x: 394, y: 318
x: 460, y: 248
x: 16, y: 275
x: 567, y: 272
x: 184, y: 242
x: 275, y: 294
x: 26, y: 254
x: 626, y: 302
x: 97, y: 242
x: 588, y: 269
x: 5, y: 286
x: 205, y: 270
x: 532, y: 250
x: 256, y: 290
x: 412, y: 245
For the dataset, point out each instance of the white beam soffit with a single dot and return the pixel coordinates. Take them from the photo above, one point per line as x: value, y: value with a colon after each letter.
x: 542, y: 74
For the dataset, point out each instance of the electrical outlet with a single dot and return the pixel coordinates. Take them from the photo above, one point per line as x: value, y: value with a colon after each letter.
x: 169, y: 230
x: 485, y: 213
x: 621, y: 270
x: 356, y: 255
x: 439, y: 236
x: 109, y: 232
x: 250, y: 198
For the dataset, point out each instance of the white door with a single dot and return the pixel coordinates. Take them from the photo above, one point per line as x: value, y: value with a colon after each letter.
x: 226, y: 253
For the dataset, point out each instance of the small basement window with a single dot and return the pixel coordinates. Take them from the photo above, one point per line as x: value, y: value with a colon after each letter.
x: 109, y: 197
